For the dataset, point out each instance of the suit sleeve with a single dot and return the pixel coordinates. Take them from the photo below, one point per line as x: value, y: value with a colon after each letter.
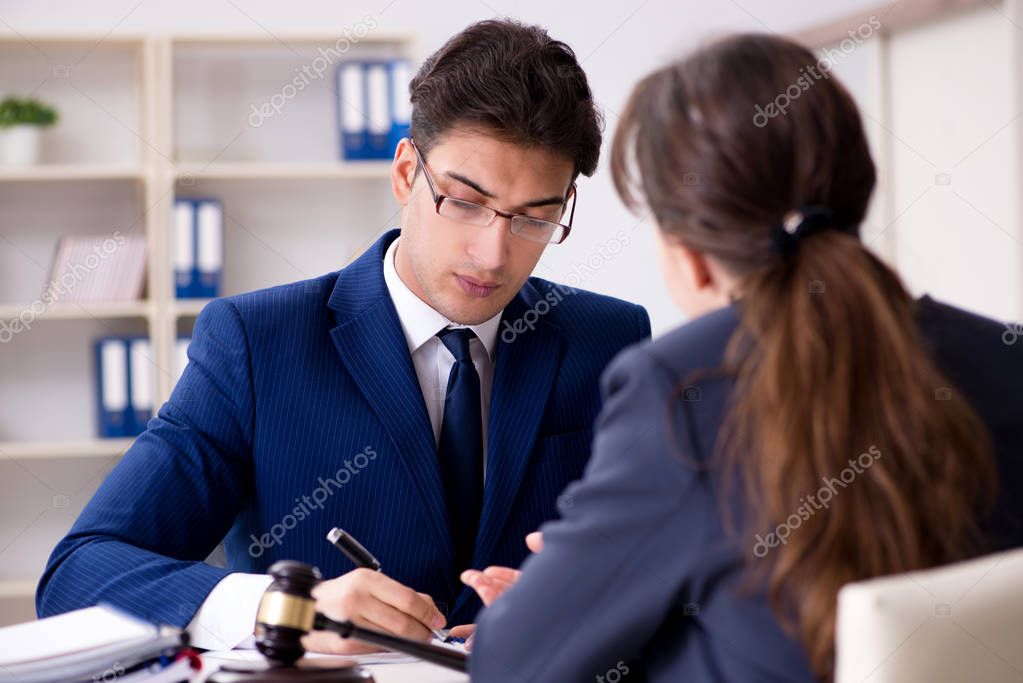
x: 613, y: 565
x: 643, y: 323
x: 140, y: 543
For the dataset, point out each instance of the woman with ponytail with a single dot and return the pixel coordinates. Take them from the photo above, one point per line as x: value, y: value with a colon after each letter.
x: 812, y: 425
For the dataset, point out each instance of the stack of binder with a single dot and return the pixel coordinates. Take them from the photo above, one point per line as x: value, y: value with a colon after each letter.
x: 94, y: 644
x: 124, y: 385
x: 125, y: 380
x: 373, y: 107
x: 197, y: 232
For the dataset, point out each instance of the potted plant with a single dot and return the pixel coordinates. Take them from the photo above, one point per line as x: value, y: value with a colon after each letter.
x: 21, y: 119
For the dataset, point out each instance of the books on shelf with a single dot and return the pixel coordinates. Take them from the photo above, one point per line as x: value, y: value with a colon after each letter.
x: 197, y: 234
x: 97, y: 269
x: 373, y: 107
x: 125, y: 379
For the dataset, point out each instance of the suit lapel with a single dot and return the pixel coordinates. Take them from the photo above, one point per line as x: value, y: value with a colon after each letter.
x: 524, y: 372
x: 371, y: 343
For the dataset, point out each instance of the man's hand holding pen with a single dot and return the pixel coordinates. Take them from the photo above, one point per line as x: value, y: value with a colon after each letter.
x: 369, y: 598
x: 374, y: 600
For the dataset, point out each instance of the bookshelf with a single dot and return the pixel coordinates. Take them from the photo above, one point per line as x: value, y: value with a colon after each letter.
x: 144, y: 119
x: 76, y: 311
x: 284, y: 171
x: 89, y: 448
x: 72, y: 172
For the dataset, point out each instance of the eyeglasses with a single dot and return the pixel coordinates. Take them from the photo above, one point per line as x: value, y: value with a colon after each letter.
x: 471, y: 213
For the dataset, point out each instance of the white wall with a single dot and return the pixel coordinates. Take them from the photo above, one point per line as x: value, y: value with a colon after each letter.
x: 954, y: 162
x: 617, y: 42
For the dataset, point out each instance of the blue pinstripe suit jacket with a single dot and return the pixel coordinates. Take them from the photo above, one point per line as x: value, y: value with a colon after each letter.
x: 300, y: 410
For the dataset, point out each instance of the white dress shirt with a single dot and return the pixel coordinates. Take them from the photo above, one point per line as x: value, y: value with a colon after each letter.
x: 430, y: 357
x: 225, y: 619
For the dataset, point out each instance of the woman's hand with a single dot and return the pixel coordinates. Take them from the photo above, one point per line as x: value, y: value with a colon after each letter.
x: 492, y: 582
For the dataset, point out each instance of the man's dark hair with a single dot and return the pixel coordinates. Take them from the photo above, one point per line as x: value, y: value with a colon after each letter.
x: 514, y: 81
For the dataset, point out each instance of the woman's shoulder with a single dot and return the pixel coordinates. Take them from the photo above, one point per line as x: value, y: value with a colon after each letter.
x: 696, y: 346
x: 667, y: 397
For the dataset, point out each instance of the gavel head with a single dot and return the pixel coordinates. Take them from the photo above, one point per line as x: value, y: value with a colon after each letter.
x: 287, y: 611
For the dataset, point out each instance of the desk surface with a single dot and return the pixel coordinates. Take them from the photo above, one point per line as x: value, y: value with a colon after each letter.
x: 385, y: 667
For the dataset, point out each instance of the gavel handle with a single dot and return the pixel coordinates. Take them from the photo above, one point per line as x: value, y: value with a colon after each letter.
x: 441, y: 656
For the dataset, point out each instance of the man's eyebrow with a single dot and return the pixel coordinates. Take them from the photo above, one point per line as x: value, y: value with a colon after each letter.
x: 546, y: 201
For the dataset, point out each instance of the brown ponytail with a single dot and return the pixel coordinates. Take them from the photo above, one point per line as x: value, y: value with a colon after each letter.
x: 832, y: 377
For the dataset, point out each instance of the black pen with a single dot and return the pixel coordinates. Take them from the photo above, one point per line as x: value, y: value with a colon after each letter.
x: 362, y: 558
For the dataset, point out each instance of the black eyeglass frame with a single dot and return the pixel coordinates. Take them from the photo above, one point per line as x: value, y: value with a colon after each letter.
x: 439, y: 199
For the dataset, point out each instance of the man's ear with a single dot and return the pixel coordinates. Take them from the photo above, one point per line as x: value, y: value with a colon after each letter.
x: 403, y: 170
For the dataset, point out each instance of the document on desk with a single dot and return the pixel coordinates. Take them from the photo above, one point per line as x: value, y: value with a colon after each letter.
x: 457, y: 647
x: 368, y: 659
x: 223, y: 656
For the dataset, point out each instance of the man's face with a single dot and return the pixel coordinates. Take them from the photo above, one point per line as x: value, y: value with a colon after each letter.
x: 466, y: 272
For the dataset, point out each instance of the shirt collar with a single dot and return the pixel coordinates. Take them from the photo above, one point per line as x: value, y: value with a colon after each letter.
x: 419, y: 320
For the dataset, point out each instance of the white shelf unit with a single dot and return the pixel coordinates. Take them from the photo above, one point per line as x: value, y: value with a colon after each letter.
x: 48, y: 450
x: 143, y: 119
x: 72, y: 172
x: 81, y: 311
x: 17, y: 588
x: 325, y: 170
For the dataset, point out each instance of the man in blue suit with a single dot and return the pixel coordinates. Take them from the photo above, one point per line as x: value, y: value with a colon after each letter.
x: 431, y: 398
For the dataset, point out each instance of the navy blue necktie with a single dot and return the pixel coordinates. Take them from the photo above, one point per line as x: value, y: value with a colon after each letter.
x: 461, y: 447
